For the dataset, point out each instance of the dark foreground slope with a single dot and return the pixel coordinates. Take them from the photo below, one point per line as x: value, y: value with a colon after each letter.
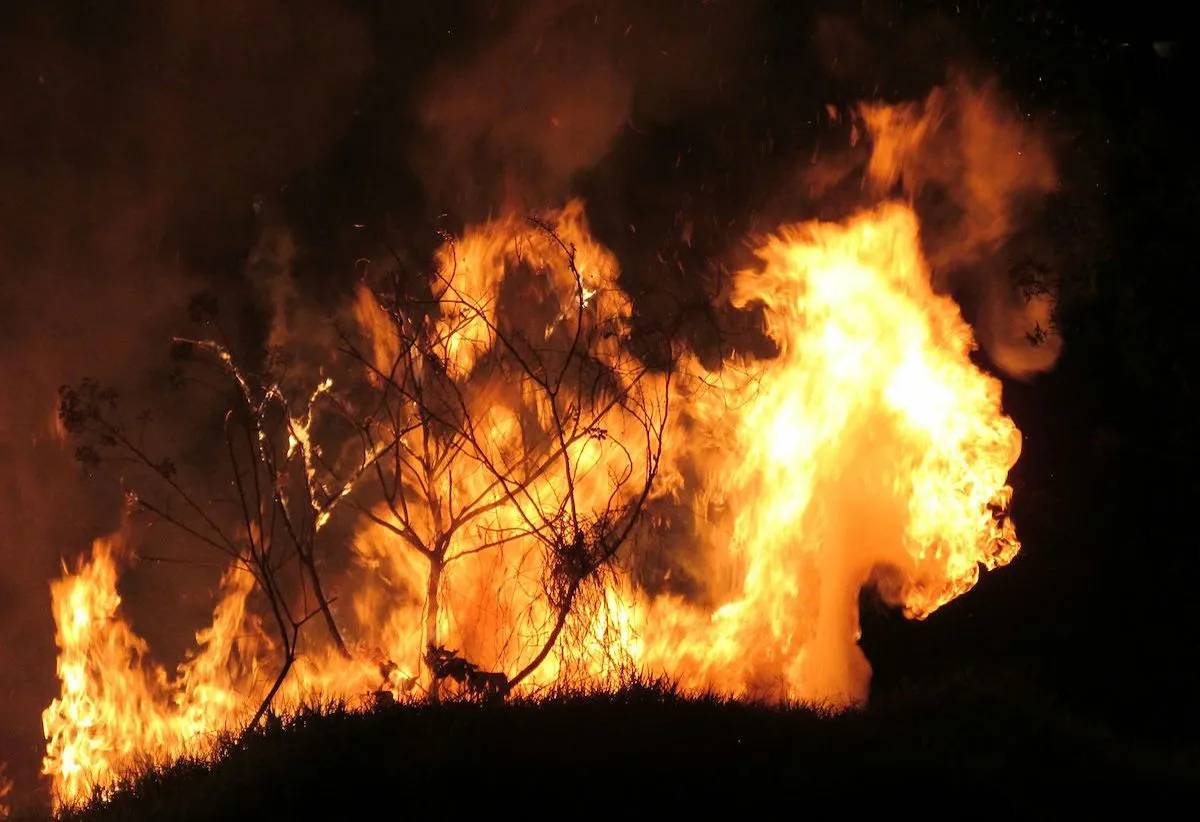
x: 649, y: 746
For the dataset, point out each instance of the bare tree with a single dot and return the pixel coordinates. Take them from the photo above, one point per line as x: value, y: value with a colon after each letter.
x: 545, y: 445
x: 463, y: 433
x: 283, y: 490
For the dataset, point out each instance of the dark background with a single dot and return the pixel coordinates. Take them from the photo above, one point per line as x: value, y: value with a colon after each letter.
x: 136, y: 138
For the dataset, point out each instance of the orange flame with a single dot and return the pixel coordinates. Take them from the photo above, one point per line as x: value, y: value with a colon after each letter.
x: 491, y: 607
x: 5, y: 790
x: 118, y: 709
x: 985, y: 160
x: 869, y: 450
x: 115, y: 706
x: 870, y: 443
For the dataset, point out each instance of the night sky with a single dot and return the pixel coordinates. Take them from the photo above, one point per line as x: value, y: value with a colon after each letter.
x: 144, y: 147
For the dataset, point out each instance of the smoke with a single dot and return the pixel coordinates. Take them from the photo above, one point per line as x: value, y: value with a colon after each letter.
x: 977, y: 171
x: 977, y: 168
x: 545, y: 96
x: 299, y: 334
x: 135, y: 138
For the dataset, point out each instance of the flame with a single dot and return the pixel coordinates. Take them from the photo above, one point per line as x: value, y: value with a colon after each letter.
x: 868, y: 450
x: 987, y: 161
x: 5, y: 790
x: 115, y: 705
x: 118, y: 709
x: 492, y: 609
x: 869, y: 445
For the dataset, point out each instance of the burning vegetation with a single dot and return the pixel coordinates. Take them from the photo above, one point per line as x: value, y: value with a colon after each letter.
x: 498, y: 447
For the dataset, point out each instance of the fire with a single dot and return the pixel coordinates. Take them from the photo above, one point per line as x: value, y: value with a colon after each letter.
x: 514, y: 440
x: 486, y: 544
x: 870, y: 445
x: 115, y: 706
x: 118, y: 709
x: 5, y: 790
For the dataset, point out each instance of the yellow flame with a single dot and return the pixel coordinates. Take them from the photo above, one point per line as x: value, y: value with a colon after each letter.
x: 869, y: 448
x: 116, y: 706
x: 870, y: 441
